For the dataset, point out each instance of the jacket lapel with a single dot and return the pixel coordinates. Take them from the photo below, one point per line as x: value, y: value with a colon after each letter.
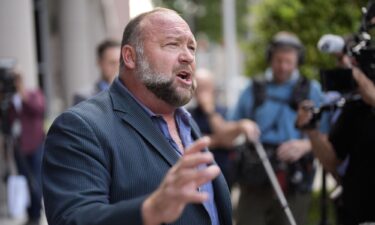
x: 131, y: 113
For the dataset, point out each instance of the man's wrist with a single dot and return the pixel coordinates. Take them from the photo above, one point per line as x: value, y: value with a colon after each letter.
x: 312, y: 133
x: 149, y: 216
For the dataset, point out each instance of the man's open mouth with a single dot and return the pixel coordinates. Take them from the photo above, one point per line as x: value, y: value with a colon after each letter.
x: 185, y: 76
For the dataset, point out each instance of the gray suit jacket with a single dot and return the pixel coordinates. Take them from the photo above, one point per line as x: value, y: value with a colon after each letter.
x: 103, y: 157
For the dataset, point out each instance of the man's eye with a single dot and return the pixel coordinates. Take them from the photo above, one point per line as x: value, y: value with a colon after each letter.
x: 173, y: 44
x: 192, y: 48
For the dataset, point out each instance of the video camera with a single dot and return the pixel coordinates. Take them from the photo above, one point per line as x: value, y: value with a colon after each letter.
x: 7, y: 90
x: 361, y: 48
x: 7, y: 78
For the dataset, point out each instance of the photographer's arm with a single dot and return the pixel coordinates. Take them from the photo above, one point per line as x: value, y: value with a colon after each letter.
x: 321, y: 146
x: 365, y: 86
x: 323, y: 150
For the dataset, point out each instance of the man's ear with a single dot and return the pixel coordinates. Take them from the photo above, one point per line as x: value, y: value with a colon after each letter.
x: 128, y: 56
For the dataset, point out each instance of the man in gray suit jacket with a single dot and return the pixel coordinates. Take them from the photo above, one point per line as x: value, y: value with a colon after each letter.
x: 132, y: 154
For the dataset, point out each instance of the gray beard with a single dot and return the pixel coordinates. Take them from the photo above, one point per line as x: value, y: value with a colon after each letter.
x: 160, y: 84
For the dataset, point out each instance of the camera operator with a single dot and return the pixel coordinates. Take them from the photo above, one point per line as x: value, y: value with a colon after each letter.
x: 26, y: 115
x: 352, y: 135
x: 336, y: 47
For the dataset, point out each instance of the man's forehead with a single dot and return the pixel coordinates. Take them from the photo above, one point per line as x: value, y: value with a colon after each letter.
x: 286, y: 50
x: 167, y: 23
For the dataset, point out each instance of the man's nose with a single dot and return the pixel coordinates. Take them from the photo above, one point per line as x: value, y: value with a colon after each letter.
x: 187, y: 56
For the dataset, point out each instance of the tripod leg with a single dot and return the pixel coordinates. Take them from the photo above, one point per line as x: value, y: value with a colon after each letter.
x: 275, y: 184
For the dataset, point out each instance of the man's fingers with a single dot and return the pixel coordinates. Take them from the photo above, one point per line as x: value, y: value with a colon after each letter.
x: 283, y: 147
x: 306, y: 105
x: 184, y: 188
x: 285, y: 158
x: 251, y: 129
x: 194, y: 197
x: 184, y: 179
x: 208, y: 174
x: 197, y: 176
x: 198, y: 145
x: 191, y: 193
x: 194, y: 160
x: 304, y: 114
x: 282, y: 155
x: 285, y: 152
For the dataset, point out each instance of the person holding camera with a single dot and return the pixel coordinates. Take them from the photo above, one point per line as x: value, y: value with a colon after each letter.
x: 353, y: 137
x: 26, y: 116
x: 272, y: 103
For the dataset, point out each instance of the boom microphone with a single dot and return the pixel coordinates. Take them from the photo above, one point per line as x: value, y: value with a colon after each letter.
x: 330, y: 43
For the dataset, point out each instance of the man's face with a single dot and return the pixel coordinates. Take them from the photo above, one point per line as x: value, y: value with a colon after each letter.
x: 109, y: 63
x: 283, y: 62
x: 167, y: 63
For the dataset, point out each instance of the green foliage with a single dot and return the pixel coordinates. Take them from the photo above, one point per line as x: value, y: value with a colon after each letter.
x: 309, y: 19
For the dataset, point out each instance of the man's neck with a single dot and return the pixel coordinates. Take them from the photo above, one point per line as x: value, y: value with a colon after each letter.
x: 105, y: 79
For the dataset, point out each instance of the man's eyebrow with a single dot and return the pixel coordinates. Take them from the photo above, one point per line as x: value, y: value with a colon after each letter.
x: 178, y: 37
x: 173, y: 36
x: 170, y: 37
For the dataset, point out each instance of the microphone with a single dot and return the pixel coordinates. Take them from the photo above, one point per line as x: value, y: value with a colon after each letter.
x: 332, y: 44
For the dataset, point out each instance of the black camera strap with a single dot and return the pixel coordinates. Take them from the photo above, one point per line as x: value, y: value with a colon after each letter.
x: 301, y: 90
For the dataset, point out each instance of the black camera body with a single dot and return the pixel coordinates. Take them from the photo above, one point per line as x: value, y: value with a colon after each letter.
x: 7, y: 78
x: 7, y: 90
x: 338, y: 79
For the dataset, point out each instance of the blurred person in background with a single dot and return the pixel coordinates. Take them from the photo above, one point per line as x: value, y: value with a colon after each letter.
x: 271, y: 102
x: 132, y: 154
x: 27, y: 119
x: 210, y: 118
x: 108, y: 53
